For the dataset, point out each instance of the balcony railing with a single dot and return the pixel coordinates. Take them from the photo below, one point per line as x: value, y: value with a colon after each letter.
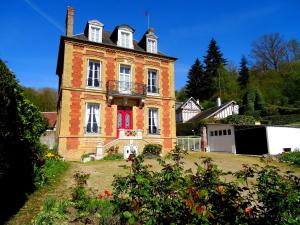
x: 154, y: 131
x: 92, y: 130
x: 115, y: 87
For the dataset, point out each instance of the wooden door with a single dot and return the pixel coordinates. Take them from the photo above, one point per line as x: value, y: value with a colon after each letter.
x: 124, y: 118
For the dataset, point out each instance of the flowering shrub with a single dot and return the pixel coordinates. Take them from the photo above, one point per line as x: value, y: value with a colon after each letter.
x: 291, y: 157
x: 130, y: 133
x: 177, y: 196
x: 154, y: 149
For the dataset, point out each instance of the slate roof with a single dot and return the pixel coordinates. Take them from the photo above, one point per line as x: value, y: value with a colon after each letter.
x: 51, y: 117
x: 209, y: 112
x: 108, y: 40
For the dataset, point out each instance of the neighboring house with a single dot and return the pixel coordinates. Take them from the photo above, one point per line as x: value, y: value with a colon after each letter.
x: 113, y: 90
x: 252, y: 139
x: 49, y: 136
x: 187, y: 109
x: 218, y: 112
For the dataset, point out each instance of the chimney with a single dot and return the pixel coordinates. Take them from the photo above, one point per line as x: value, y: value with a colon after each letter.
x: 219, y: 101
x: 69, y: 21
x: 198, y: 102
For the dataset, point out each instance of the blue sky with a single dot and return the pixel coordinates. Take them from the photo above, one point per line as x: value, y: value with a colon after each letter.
x: 30, y: 29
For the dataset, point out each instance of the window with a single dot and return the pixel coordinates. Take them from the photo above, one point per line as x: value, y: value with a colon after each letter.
x: 224, y: 132
x: 153, y: 121
x: 152, y: 82
x: 93, y: 75
x: 125, y: 79
x: 151, y: 46
x: 92, y: 125
x: 95, y: 33
x: 229, y: 131
x: 220, y: 132
x: 216, y: 133
x: 211, y: 133
x: 125, y: 39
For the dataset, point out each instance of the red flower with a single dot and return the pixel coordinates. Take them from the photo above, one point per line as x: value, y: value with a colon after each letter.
x: 107, y: 193
x: 190, y: 203
x: 248, y: 210
x: 220, y: 189
x: 199, y: 208
x: 100, y: 196
x: 196, y: 196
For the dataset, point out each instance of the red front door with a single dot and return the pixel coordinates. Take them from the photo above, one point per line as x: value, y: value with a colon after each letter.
x: 124, y: 118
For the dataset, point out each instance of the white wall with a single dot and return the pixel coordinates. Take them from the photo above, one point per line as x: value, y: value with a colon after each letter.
x: 223, y: 143
x: 282, y: 137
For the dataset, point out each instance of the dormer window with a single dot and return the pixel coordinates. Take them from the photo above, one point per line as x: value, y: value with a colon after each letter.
x: 94, y: 31
x: 125, y: 39
x: 125, y: 36
x: 94, y: 34
x: 151, y: 45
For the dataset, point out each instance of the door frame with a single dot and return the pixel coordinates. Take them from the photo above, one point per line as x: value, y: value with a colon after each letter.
x: 124, y: 110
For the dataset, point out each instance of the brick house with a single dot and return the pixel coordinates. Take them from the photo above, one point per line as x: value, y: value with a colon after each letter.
x: 113, y: 90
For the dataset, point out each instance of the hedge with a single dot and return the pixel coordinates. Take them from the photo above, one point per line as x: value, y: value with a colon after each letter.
x: 281, y: 119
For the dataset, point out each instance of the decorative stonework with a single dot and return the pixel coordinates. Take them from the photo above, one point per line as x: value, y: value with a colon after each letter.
x: 109, y: 112
x: 166, y: 119
x: 75, y: 113
x: 77, y: 69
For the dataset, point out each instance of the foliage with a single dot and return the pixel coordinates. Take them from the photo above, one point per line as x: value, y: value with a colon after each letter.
x: 244, y: 73
x: 213, y: 61
x: 291, y: 157
x: 45, y: 98
x: 194, y: 83
x: 50, y: 171
x: 21, y: 125
x: 239, y: 119
x: 175, y: 196
x: 112, y: 150
x: 181, y: 95
x: 154, y: 149
x: 282, y: 119
x: 228, y: 85
x: 116, y: 156
x: 252, y: 102
x: 186, y: 129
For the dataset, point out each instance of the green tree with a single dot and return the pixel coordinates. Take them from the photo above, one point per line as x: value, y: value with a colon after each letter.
x: 228, y: 86
x: 244, y: 74
x: 21, y: 125
x: 252, y: 102
x: 181, y: 94
x: 213, y: 61
x: 193, y: 86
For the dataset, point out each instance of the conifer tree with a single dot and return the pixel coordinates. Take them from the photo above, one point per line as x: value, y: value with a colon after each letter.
x: 244, y: 73
x: 213, y: 61
x: 194, y: 78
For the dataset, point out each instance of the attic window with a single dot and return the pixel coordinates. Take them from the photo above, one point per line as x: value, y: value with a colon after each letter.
x: 151, y: 45
x: 95, y: 33
x: 125, y: 38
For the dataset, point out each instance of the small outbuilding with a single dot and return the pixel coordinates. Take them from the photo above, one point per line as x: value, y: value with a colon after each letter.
x: 252, y: 139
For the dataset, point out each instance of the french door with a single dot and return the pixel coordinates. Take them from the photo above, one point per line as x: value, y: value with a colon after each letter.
x: 124, y: 118
x: 125, y: 79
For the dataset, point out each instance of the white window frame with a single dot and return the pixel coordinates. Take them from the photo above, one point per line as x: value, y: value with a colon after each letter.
x: 150, y: 127
x: 150, y: 47
x: 92, y: 118
x: 151, y: 85
x: 126, y: 89
x: 95, y: 38
x: 130, y: 38
x: 93, y: 78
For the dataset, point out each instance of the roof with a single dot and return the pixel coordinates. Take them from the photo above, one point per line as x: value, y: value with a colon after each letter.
x: 180, y: 105
x: 210, y: 112
x: 51, y: 118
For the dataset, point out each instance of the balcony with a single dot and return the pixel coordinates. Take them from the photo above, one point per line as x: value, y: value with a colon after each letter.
x: 125, y: 90
x: 132, y: 134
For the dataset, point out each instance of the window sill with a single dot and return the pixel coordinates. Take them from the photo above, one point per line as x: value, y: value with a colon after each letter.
x: 94, y: 88
x: 92, y: 134
x: 152, y: 94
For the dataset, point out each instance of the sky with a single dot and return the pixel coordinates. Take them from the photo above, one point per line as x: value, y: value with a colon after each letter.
x: 31, y: 29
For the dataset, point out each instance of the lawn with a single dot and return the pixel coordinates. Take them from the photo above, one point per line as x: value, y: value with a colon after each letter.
x: 102, y: 172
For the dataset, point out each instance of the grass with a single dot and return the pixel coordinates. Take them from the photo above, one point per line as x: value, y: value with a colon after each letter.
x: 102, y: 172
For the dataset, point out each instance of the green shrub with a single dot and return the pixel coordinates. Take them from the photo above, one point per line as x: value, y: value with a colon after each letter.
x: 175, y: 196
x: 291, y: 157
x: 154, y: 149
x: 283, y: 119
x: 239, y: 119
x: 49, y: 172
x: 116, y: 156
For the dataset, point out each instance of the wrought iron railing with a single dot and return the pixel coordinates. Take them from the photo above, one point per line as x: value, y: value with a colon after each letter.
x: 92, y: 130
x: 154, y: 131
x: 115, y: 87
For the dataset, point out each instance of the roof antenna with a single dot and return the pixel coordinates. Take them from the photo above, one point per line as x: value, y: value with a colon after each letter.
x: 148, y: 17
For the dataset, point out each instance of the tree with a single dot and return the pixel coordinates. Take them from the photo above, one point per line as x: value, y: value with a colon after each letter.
x: 252, y: 101
x: 193, y: 86
x: 21, y: 125
x: 243, y: 73
x: 293, y: 47
x: 181, y: 94
x: 269, y: 51
x: 212, y: 63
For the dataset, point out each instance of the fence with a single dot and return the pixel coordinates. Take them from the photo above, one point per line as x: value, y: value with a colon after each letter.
x: 192, y: 143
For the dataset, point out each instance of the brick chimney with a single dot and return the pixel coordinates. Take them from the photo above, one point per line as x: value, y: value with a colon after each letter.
x: 69, y: 21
